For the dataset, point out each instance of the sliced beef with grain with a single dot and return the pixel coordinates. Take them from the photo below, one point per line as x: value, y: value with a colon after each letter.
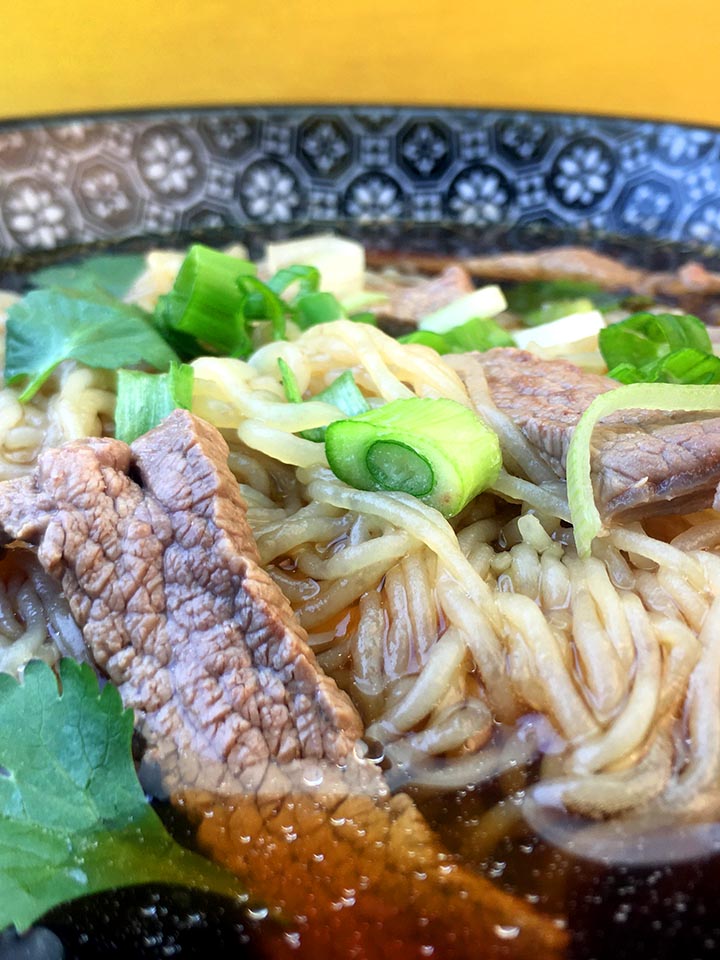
x: 643, y: 461
x: 692, y: 283
x: 162, y: 574
x: 412, y: 298
x: 253, y: 741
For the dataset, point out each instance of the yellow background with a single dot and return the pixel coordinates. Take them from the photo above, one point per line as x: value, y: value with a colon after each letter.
x: 655, y: 58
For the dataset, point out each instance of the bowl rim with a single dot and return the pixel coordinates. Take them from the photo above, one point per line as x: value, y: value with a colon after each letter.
x: 130, y: 113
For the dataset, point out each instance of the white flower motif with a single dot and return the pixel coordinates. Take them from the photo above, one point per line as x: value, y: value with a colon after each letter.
x: 473, y: 145
x: 705, y: 225
x: 424, y: 148
x: 270, y: 192
x: 680, y: 145
x: 104, y: 193
x: 227, y: 132
x: 276, y: 139
x: 325, y: 146
x: 374, y: 198
x: 168, y: 162
x: 479, y: 196
x: 584, y: 175
x: 646, y: 207
x: 427, y: 207
x: 531, y: 190
x: 375, y: 151
x: 323, y: 205
x: 33, y: 213
x: 522, y: 137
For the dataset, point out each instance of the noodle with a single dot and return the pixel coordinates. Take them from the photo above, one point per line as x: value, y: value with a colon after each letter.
x: 445, y: 633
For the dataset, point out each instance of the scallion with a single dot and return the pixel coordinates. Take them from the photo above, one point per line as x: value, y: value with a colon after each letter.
x: 476, y: 334
x: 306, y: 277
x: 206, y: 302
x: 314, y: 308
x: 483, y: 303
x: 529, y: 300
x: 145, y: 399
x: 435, y: 449
x: 260, y: 303
x: 342, y: 393
x: 645, y: 338
x: 681, y: 366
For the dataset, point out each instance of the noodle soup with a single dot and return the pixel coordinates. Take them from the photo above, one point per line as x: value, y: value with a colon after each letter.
x: 552, y: 713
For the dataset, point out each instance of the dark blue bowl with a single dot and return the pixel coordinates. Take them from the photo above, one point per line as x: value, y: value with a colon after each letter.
x: 77, y: 180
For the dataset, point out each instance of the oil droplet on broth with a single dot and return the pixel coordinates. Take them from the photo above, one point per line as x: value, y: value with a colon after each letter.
x: 259, y: 913
x: 313, y: 775
x: 293, y: 940
x: 506, y: 932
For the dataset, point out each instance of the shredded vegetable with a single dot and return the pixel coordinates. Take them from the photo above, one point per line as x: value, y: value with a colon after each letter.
x: 638, y: 396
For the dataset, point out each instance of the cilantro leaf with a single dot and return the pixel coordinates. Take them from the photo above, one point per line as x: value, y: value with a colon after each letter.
x: 49, y: 326
x: 73, y: 816
x: 114, y: 273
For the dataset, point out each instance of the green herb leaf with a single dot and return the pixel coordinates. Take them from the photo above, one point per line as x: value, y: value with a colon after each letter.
x: 527, y: 298
x: 49, y: 326
x: 436, y: 450
x: 114, y: 273
x: 145, y: 399
x: 682, y: 366
x: 477, y: 334
x: 73, y: 817
x: 556, y: 310
x: 647, y: 337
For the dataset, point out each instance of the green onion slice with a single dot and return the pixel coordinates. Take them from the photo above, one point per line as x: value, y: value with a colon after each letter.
x: 477, y: 334
x: 342, y: 393
x: 485, y: 302
x: 206, y: 302
x: 314, y: 308
x: 645, y: 338
x: 145, y: 399
x: 637, y: 396
x: 306, y: 277
x: 435, y: 449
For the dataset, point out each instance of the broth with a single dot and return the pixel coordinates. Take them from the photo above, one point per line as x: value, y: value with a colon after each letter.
x: 344, y: 907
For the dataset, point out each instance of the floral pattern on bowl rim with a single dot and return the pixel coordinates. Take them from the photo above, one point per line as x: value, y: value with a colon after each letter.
x: 78, y: 180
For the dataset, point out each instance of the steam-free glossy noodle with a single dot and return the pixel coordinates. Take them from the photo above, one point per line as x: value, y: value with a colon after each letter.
x: 471, y: 647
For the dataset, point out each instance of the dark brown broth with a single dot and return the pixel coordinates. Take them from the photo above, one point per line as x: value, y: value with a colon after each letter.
x: 612, y: 912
